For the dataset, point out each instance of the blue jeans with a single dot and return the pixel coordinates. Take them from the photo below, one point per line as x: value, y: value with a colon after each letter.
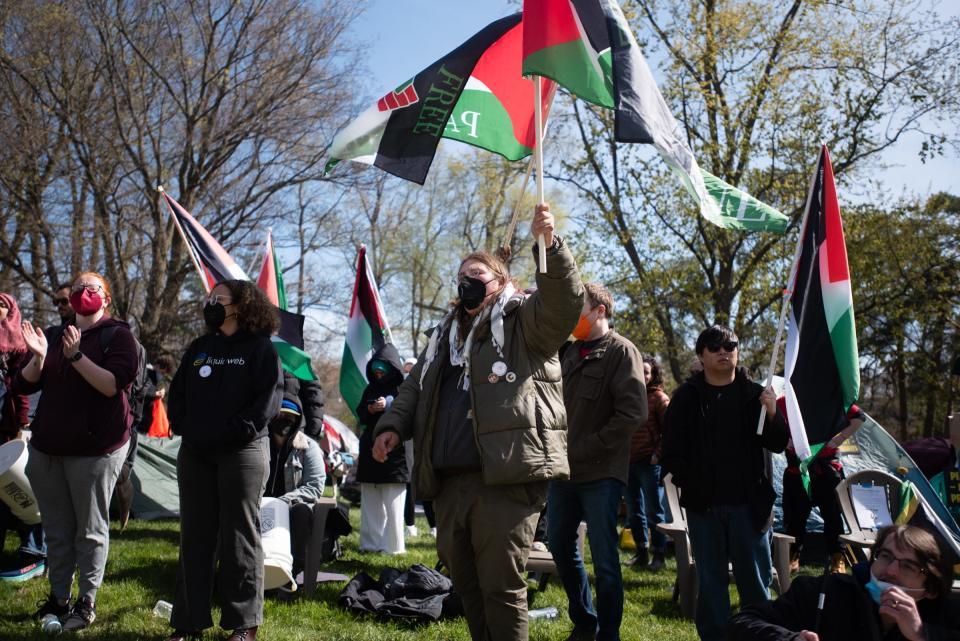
x: 725, y: 532
x: 595, y: 502
x: 645, y: 505
x: 33, y: 546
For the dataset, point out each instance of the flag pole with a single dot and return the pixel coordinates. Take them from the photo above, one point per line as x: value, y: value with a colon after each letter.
x: 785, y: 305
x: 512, y: 227
x: 183, y: 237
x: 538, y: 156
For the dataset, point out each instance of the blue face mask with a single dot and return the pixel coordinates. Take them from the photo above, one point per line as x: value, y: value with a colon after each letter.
x: 875, y: 588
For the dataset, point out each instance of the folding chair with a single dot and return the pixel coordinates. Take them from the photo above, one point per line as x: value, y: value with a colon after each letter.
x: 861, y: 537
x: 686, y: 587
x: 314, y: 556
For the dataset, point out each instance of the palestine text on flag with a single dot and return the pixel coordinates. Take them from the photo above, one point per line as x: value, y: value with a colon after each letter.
x: 367, y: 332
x: 475, y: 94
x: 270, y: 279
x: 821, y: 369
x: 213, y: 261
x: 588, y: 47
x: 215, y: 264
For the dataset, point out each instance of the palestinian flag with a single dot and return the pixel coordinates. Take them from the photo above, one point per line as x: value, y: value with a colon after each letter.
x: 367, y: 332
x: 215, y: 264
x: 588, y: 47
x: 213, y: 261
x: 475, y: 94
x: 270, y: 279
x: 822, y: 368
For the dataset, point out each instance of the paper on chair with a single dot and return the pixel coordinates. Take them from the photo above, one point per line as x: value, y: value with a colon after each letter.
x: 870, y: 505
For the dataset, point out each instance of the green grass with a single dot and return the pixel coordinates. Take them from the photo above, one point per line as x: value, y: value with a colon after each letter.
x: 142, y: 569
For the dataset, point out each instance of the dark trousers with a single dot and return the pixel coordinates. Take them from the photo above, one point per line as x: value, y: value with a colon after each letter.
x: 429, y: 513
x: 220, y: 496
x: 409, y: 508
x: 797, y: 505
x: 484, y: 534
x: 301, y: 529
x: 33, y: 547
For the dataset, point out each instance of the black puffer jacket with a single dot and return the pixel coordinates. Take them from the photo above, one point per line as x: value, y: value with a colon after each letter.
x: 394, y: 469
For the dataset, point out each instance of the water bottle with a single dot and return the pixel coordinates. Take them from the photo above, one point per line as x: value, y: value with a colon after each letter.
x: 50, y: 624
x: 543, y: 613
x: 163, y: 609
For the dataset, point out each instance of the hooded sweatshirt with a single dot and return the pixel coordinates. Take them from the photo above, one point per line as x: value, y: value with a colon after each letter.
x: 72, y: 417
x: 394, y: 469
x: 226, y: 391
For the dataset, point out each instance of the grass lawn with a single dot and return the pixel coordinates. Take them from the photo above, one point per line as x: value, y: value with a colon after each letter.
x: 142, y: 569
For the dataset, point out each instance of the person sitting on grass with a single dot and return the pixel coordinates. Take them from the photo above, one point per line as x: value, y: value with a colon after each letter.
x: 904, y: 593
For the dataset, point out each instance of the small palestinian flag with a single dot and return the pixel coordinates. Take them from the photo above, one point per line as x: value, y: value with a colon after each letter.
x: 215, y: 264
x: 213, y: 261
x: 270, y: 279
x: 367, y: 332
x: 475, y: 94
x: 821, y: 368
x: 588, y: 47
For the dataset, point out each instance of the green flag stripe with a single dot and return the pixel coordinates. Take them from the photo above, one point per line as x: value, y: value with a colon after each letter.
x: 352, y: 381
x: 579, y: 74
x: 740, y: 210
x: 480, y: 120
x: 843, y: 337
x: 294, y: 360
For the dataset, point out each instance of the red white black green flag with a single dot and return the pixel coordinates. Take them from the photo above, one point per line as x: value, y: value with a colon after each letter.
x: 822, y: 368
x: 474, y: 94
x: 588, y: 47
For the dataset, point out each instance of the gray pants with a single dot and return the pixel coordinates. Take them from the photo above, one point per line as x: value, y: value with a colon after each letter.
x: 220, y: 496
x: 74, y: 497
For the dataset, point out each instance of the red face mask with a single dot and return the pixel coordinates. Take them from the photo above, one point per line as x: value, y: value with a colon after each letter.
x: 85, y: 302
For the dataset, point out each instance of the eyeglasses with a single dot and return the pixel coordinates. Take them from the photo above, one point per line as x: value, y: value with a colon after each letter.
x: 61, y: 301
x: 728, y: 346
x: 90, y: 287
x: 908, y: 568
x: 223, y: 299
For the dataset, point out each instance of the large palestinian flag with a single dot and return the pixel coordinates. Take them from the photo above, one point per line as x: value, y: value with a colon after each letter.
x: 475, y: 94
x: 367, y: 332
x: 822, y: 368
x: 213, y: 261
x: 588, y: 47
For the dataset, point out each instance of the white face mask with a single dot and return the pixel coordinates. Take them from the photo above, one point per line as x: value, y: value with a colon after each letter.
x: 876, y: 587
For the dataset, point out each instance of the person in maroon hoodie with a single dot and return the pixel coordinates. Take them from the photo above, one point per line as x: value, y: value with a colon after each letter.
x: 13, y: 356
x: 80, y: 437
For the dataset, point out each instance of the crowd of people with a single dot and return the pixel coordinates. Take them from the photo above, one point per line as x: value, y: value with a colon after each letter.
x: 525, y: 412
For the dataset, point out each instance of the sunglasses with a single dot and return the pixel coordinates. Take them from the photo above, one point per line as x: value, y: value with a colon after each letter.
x: 61, y: 301
x: 728, y: 346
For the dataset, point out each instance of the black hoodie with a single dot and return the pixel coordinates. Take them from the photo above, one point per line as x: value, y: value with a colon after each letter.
x: 394, y: 469
x: 226, y: 391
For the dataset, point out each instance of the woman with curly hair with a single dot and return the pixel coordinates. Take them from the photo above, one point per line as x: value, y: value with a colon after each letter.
x: 221, y: 401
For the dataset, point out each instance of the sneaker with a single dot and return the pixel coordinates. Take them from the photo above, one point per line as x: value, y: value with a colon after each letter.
x: 23, y: 573
x: 837, y: 564
x: 412, y: 530
x: 52, y: 606
x: 248, y: 634
x: 639, y: 560
x: 657, y: 563
x: 81, y: 616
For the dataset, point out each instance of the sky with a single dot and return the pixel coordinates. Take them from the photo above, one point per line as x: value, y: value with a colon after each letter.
x: 401, y: 37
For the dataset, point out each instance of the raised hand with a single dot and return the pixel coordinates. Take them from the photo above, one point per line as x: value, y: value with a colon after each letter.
x: 71, y: 341
x: 543, y: 223
x: 35, y: 339
x: 900, y: 606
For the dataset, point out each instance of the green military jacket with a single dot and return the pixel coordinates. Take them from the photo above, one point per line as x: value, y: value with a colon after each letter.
x: 519, y: 419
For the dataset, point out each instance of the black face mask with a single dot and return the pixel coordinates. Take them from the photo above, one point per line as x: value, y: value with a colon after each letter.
x: 214, y: 315
x: 282, y: 427
x: 472, y: 291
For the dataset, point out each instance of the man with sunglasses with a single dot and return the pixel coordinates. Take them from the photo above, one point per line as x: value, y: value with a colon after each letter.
x: 721, y: 466
x: 904, y: 593
x: 61, y: 301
